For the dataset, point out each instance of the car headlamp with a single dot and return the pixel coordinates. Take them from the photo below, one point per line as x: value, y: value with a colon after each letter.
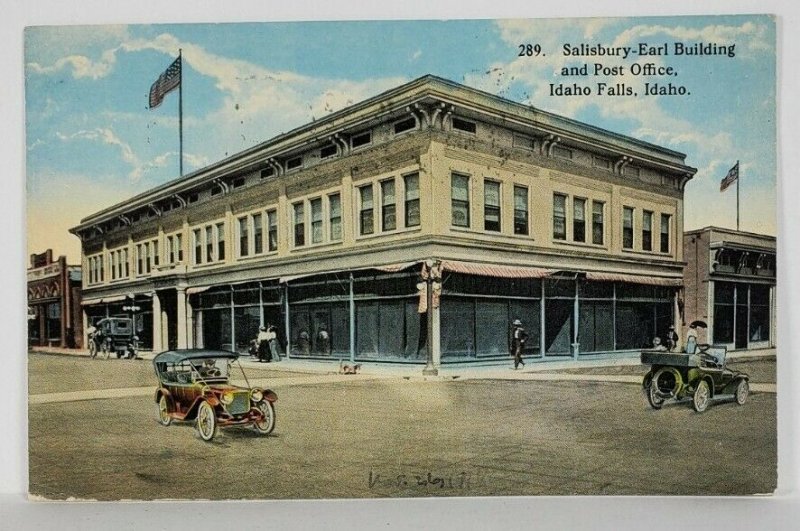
x: 256, y: 395
x: 226, y: 398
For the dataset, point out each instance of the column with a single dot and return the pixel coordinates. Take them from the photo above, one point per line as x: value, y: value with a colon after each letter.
x: 576, y: 316
x: 676, y: 317
x: 436, y: 337
x: 181, y: 324
x: 352, y: 307
x: 189, y: 323
x: 157, y: 344
x: 85, y: 337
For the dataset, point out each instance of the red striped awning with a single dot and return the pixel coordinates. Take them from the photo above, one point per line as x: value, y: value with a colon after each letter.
x: 634, y: 279
x: 490, y: 270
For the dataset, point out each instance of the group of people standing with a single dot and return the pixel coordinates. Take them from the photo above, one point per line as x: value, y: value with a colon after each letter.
x: 265, y: 345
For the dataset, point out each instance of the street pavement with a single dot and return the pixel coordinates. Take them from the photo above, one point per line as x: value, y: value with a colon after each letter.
x: 470, y: 432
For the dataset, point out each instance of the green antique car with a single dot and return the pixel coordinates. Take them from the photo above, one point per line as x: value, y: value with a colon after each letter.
x: 194, y: 385
x: 701, y: 376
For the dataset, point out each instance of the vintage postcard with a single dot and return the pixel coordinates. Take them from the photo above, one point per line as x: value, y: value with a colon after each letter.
x: 310, y: 260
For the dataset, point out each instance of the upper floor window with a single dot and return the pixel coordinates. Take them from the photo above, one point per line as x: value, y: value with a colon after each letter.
x: 405, y: 125
x: 412, y: 199
x: 520, y: 210
x: 579, y: 219
x: 601, y: 162
x: 464, y: 125
x: 366, y: 210
x: 272, y: 236
x: 627, y: 228
x: 459, y: 193
x: 238, y: 182
x: 210, y: 244
x: 258, y: 233
x: 361, y: 139
x: 244, y: 237
x: 316, y: 220
x: 220, y: 241
x: 267, y: 172
x: 665, y: 218
x: 328, y: 151
x: 335, y: 214
x: 597, y: 222
x: 294, y: 163
x: 154, y: 251
x: 388, y: 206
x: 491, y: 205
x: 198, y: 246
x: 299, y: 224
x: 559, y: 217
x: 647, y: 230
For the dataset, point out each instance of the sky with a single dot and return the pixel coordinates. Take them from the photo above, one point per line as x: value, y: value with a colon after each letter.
x: 91, y: 141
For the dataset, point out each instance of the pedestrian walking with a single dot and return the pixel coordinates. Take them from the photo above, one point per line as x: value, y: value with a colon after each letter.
x: 518, y: 337
x: 263, y: 345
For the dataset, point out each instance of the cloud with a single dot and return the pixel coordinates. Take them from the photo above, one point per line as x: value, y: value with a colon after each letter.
x: 104, y: 136
x: 80, y: 65
x: 416, y: 55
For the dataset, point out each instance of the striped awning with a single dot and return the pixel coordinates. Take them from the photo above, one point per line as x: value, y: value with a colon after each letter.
x: 634, y: 279
x: 492, y: 270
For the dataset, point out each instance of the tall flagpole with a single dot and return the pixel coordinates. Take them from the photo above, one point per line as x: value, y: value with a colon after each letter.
x: 738, y: 178
x: 180, y: 126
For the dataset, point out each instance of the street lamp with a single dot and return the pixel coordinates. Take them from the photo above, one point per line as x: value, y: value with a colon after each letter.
x: 431, y: 269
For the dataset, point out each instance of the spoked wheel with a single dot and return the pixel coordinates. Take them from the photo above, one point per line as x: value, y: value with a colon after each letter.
x: 702, y: 397
x: 265, y: 426
x: 206, y: 421
x: 163, y: 411
x: 653, y: 399
x: 742, y: 392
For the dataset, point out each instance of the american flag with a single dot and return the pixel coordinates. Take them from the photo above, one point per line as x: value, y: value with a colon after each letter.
x: 733, y: 175
x: 166, y: 82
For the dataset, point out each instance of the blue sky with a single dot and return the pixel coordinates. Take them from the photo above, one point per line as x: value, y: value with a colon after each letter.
x: 91, y: 141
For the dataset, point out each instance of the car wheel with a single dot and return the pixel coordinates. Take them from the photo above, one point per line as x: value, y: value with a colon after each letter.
x: 206, y: 421
x: 163, y: 411
x: 702, y: 397
x: 653, y: 399
x: 742, y: 392
x: 265, y: 426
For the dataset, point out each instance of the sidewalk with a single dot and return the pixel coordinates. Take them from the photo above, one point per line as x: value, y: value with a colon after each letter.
x: 501, y: 370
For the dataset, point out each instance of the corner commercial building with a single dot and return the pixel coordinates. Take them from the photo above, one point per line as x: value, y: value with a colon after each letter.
x: 54, y: 302
x: 329, y: 232
x: 730, y: 281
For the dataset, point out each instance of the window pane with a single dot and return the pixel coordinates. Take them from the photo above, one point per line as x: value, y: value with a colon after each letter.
x: 665, y: 233
x: 272, y: 220
x: 299, y: 225
x: 597, y: 222
x: 243, y: 237
x: 559, y: 217
x: 579, y: 220
x: 647, y: 231
x: 491, y: 205
x: 412, y: 200
x: 520, y: 210
x: 457, y: 328
x: 258, y: 233
x: 220, y: 241
x: 316, y: 220
x: 388, y: 208
x: 491, y: 318
x: 335, y: 208
x: 460, y: 200
x: 627, y: 227
x: 366, y: 217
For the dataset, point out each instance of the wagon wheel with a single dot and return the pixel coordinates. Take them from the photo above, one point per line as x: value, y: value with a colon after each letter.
x: 702, y: 397
x: 92, y: 348
x: 206, y: 421
x: 265, y: 426
x: 653, y: 399
x: 742, y: 392
x: 163, y: 411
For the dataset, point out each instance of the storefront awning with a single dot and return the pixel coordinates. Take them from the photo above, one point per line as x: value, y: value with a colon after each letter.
x: 634, y: 279
x: 103, y: 300
x: 201, y: 289
x: 491, y: 270
x: 389, y: 268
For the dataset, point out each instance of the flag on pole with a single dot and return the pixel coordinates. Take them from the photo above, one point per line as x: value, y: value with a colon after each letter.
x: 732, y: 177
x: 166, y: 82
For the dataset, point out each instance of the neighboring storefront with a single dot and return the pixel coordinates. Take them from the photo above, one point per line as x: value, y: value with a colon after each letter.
x: 730, y: 283
x: 54, y: 302
x: 335, y: 232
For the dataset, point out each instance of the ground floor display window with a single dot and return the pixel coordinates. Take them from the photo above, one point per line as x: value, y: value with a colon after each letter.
x: 742, y: 313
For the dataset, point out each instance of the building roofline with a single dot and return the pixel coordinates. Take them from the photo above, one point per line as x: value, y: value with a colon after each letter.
x: 438, y: 87
x: 709, y: 228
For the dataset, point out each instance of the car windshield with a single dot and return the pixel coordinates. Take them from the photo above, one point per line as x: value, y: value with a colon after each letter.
x: 209, y: 370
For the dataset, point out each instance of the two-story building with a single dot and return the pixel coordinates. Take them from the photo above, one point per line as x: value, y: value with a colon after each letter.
x: 329, y: 232
x: 730, y: 285
x: 54, y: 302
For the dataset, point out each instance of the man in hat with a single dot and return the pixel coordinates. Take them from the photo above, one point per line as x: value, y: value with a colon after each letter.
x: 672, y: 338
x: 518, y: 337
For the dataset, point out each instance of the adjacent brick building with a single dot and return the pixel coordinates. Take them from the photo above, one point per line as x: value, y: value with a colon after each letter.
x: 54, y: 302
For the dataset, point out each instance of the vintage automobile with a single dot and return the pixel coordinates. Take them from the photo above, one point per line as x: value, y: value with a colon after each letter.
x: 701, y: 376
x: 114, y: 334
x: 194, y: 385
